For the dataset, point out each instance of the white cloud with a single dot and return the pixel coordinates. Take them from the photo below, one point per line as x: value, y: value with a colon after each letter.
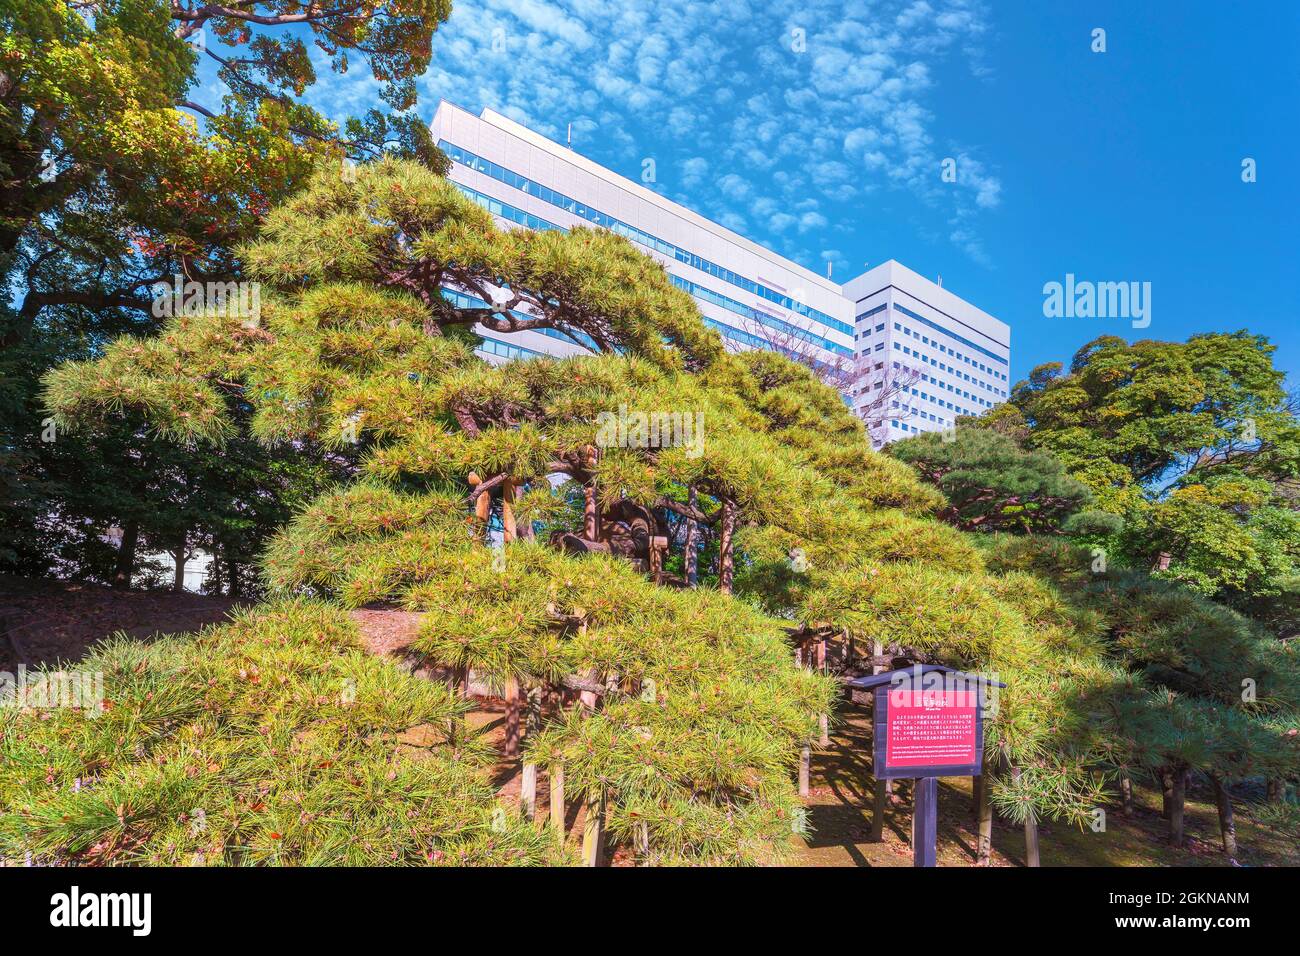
x: 716, y: 92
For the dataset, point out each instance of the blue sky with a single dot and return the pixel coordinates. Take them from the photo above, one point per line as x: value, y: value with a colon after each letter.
x: 819, y: 129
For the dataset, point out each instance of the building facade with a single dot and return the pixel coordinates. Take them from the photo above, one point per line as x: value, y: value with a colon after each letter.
x: 752, y: 296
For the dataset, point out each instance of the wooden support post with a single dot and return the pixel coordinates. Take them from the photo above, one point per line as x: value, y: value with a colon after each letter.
x: 512, y: 717
x: 691, y: 554
x: 510, y: 531
x: 823, y: 720
x: 805, y: 766
x: 528, y: 792
x: 925, y: 809
x: 878, y: 667
x: 557, y: 803
x: 1227, y: 825
x: 983, y: 822
x: 590, y: 504
x: 593, y: 830
x: 642, y: 843
x: 1031, y: 829
x: 878, y: 801
x: 1177, y: 802
x: 1031, y: 840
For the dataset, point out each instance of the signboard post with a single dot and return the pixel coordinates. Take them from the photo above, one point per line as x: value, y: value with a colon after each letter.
x: 928, y: 723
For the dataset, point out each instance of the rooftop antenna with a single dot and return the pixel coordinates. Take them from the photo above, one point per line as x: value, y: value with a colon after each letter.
x: 569, y: 140
x: 941, y: 280
x: 828, y: 268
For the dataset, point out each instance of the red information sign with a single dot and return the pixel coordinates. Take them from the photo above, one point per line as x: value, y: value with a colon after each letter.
x: 936, y: 727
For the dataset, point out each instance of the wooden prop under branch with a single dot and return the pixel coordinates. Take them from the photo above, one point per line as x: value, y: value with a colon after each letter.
x: 626, y: 530
x: 482, y: 498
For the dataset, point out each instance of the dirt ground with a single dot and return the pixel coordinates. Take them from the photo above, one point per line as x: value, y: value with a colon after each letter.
x: 51, y: 621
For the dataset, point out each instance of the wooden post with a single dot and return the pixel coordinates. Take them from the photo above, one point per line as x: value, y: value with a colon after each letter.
x: 983, y: 822
x: 642, y: 841
x: 512, y: 717
x: 532, y: 724
x: 924, y: 820
x: 691, y: 555
x: 1031, y: 829
x: 1031, y: 840
x: 528, y: 792
x: 557, y: 802
x: 590, y: 505
x: 877, y: 652
x: 1177, y: 802
x: 510, y: 531
x: 805, y: 764
x: 823, y: 720
x: 593, y: 830
x: 878, y: 799
x: 1227, y: 825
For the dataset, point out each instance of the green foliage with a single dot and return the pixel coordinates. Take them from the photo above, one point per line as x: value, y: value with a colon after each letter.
x: 272, y: 739
x: 1193, y: 445
x: 991, y: 482
x: 696, y: 738
x: 116, y: 175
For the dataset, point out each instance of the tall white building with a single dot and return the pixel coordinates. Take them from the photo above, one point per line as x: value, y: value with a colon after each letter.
x: 888, y: 317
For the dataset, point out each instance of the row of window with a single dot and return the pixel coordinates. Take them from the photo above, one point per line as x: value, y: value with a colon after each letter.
x: 504, y: 349
x: 953, y: 335
x: 908, y: 350
x: 583, y: 211
x: 936, y: 344
x: 924, y: 415
x: 758, y: 315
x: 516, y: 215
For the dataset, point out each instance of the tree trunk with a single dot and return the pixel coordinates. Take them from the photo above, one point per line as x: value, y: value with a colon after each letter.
x: 233, y: 586
x: 1177, y: 801
x: 178, y: 556
x: 805, y: 766
x: 983, y: 822
x: 1166, y: 793
x: 1275, y: 790
x: 691, y: 557
x: 590, y: 513
x: 1126, y: 794
x: 726, y: 557
x: 1227, y: 825
x: 125, y: 569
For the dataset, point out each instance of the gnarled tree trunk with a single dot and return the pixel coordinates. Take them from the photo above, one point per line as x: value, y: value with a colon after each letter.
x: 726, y: 553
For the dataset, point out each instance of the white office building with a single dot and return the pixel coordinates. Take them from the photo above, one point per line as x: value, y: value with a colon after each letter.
x: 954, y: 359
